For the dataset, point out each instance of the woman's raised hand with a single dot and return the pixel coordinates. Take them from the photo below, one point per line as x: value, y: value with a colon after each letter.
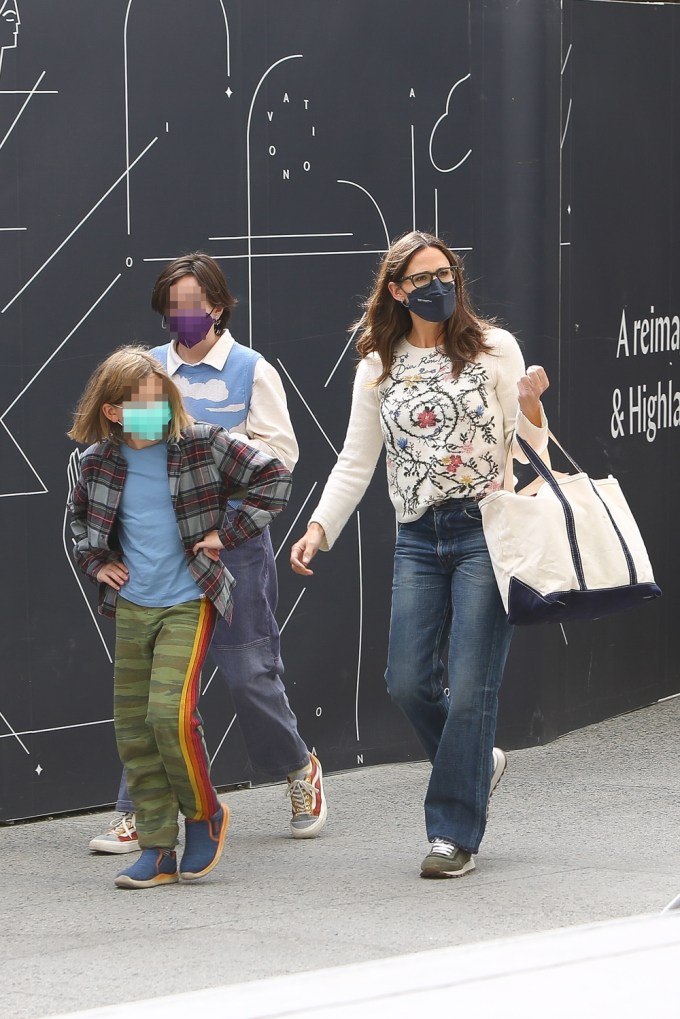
x: 530, y: 388
x: 304, y: 550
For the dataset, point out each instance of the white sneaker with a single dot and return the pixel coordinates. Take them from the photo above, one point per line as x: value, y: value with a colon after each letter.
x: 500, y: 763
x: 121, y: 836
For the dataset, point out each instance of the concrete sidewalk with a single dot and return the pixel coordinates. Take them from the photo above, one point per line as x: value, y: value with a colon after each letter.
x: 584, y: 829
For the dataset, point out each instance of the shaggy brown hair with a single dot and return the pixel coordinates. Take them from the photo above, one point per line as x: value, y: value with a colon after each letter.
x: 209, y: 277
x: 112, y: 382
x: 386, y: 321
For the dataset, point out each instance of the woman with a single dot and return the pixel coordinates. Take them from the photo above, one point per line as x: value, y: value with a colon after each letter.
x: 443, y: 390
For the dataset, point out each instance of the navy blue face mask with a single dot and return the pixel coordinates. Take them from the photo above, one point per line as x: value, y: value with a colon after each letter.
x: 434, y: 303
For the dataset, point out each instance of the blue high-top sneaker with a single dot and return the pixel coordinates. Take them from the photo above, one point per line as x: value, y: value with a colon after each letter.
x: 154, y: 867
x: 203, y: 844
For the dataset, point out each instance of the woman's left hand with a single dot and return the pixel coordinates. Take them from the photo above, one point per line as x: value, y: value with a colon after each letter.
x: 530, y: 388
x: 211, y: 545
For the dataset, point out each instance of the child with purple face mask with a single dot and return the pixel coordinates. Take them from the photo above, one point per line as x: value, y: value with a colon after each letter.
x: 148, y: 519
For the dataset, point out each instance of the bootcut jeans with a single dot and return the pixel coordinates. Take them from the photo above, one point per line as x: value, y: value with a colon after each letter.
x: 444, y: 589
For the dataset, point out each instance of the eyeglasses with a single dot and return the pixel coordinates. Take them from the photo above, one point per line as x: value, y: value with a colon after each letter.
x: 447, y: 274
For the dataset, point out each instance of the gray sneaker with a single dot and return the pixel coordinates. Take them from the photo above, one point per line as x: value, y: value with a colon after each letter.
x: 121, y: 836
x: 308, y: 802
x: 446, y: 860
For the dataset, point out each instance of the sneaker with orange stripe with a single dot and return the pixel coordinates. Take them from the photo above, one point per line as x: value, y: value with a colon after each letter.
x: 154, y: 867
x: 203, y: 843
x: 308, y: 802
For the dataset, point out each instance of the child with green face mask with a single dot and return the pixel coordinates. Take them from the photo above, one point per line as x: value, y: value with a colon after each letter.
x: 149, y: 521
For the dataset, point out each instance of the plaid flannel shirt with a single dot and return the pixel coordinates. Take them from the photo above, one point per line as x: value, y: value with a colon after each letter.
x: 206, y: 468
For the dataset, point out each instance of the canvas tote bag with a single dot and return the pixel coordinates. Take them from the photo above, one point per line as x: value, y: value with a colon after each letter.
x: 567, y: 547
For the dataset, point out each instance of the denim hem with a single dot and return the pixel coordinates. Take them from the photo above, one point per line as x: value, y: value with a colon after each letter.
x: 278, y: 774
x: 450, y: 838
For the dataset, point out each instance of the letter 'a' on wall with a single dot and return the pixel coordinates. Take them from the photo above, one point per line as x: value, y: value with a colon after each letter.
x: 501, y: 131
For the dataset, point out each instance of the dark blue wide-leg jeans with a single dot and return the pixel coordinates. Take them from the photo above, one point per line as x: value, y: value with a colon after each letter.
x: 444, y: 589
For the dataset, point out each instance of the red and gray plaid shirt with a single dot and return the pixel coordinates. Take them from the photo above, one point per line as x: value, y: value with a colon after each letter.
x: 206, y: 468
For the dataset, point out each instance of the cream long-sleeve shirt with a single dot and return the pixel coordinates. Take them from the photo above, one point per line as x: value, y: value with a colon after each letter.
x: 445, y: 437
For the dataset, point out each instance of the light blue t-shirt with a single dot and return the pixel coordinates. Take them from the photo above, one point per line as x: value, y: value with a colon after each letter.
x: 148, y: 533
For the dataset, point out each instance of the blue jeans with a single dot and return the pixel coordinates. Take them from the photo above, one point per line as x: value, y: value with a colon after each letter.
x: 247, y: 653
x: 444, y: 589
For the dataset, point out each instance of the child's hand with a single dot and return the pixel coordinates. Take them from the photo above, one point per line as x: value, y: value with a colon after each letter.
x: 211, y: 545
x: 113, y: 574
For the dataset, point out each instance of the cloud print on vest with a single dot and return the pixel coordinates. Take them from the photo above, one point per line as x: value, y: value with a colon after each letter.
x: 213, y: 391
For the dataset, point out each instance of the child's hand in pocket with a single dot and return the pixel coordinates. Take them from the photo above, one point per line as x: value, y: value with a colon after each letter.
x: 211, y: 545
x: 114, y: 574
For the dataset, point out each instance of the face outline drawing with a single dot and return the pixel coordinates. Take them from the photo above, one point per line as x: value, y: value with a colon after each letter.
x: 9, y: 26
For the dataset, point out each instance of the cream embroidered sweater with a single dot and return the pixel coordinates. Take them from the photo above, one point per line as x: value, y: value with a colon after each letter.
x: 445, y: 437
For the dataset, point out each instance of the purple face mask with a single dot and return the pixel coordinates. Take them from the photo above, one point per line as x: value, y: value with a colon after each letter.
x: 189, y: 327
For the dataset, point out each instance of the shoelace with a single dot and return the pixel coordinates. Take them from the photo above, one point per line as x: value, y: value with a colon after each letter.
x: 443, y: 848
x: 302, y: 795
x: 125, y: 825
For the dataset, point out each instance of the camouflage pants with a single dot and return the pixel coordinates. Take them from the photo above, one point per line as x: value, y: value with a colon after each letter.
x: 159, y: 731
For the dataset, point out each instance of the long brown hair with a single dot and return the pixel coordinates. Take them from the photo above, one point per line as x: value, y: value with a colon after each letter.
x: 112, y: 382
x: 386, y: 321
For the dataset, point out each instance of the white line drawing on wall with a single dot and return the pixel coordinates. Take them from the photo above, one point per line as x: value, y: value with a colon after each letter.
x: 9, y: 27
x: 9, y: 34
x: 38, y: 491
x: 345, y: 349
x: 14, y: 734
x: 16, y: 399
x: 259, y: 237
x: 249, y: 210
x: 219, y: 745
x: 295, y: 520
x: 311, y: 412
x: 563, y: 128
x: 72, y: 472
x: 29, y: 96
x: 445, y: 114
x: 52, y: 728
x: 361, y: 626
x: 127, y: 96
x: 278, y: 254
x: 56, y: 251
x: 354, y: 184
x: 297, y: 602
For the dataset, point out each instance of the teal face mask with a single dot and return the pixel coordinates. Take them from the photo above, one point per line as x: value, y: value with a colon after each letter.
x: 147, y: 420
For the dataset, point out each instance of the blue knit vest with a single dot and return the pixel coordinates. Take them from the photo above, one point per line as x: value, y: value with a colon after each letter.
x: 218, y: 397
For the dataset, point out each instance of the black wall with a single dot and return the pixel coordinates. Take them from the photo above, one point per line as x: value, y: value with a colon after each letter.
x: 291, y: 140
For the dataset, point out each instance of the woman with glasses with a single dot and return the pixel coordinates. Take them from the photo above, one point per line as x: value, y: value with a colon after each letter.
x: 443, y: 390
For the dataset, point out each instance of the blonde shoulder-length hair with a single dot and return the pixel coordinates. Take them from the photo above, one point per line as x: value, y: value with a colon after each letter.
x: 113, y: 381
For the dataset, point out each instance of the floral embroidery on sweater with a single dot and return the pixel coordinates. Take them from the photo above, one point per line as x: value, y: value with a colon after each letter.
x: 438, y: 430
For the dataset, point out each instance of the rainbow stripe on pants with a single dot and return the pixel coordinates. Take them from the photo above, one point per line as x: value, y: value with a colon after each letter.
x: 159, y: 730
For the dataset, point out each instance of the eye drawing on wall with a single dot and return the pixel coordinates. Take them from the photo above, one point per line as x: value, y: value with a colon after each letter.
x: 9, y: 27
